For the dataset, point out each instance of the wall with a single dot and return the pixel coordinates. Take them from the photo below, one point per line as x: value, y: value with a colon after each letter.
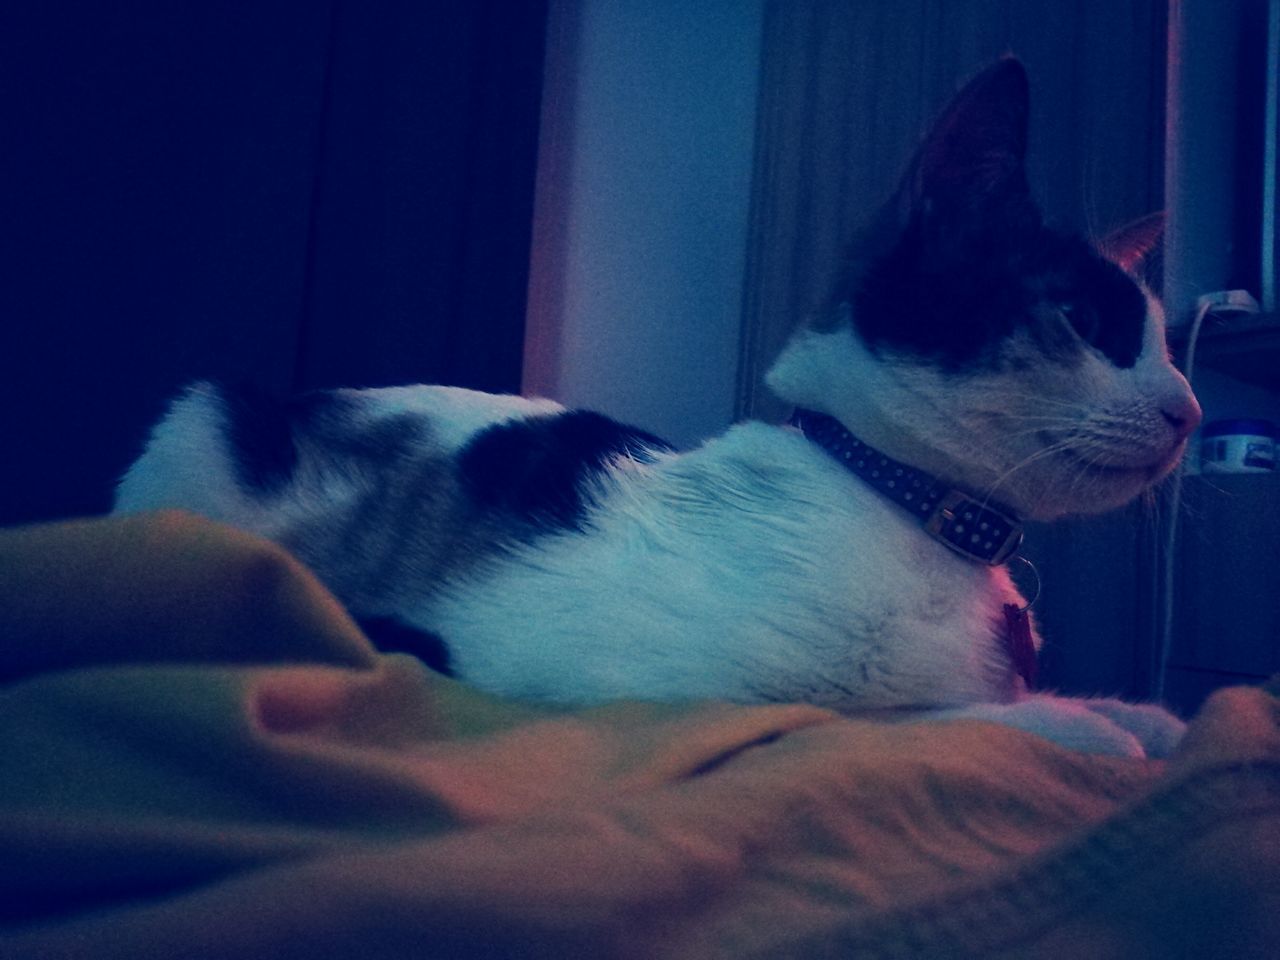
x: 641, y: 207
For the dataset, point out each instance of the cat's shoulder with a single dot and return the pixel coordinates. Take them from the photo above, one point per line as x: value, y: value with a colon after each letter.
x: 774, y: 456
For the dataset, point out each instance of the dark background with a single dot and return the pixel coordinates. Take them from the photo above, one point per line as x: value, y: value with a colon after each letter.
x: 288, y: 193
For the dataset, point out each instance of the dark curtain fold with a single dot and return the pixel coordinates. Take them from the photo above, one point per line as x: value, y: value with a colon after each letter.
x: 286, y: 193
x: 419, y: 261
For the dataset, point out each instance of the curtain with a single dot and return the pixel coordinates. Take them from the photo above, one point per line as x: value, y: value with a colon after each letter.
x: 423, y: 209
x: 281, y: 192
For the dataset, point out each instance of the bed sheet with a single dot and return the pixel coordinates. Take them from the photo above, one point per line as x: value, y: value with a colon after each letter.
x: 201, y: 756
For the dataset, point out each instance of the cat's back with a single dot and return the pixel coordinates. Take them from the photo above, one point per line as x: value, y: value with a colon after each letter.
x: 224, y: 452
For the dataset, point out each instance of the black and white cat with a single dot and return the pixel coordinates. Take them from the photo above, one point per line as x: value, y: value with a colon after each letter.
x: 977, y: 368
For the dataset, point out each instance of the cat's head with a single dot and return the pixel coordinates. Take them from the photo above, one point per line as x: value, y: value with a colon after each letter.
x: 977, y: 343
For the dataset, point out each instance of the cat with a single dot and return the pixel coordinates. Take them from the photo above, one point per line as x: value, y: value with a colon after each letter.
x: 975, y: 368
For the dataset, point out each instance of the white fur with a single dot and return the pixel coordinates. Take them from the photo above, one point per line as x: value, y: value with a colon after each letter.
x: 188, y: 464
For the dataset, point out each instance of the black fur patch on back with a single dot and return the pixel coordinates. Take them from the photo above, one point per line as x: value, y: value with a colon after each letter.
x: 261, y: 428
x: 260, y: 435
x: 394, y: 636
x: 533, y: 470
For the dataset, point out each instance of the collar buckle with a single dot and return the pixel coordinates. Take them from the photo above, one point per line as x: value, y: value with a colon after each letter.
x: 974, y: 529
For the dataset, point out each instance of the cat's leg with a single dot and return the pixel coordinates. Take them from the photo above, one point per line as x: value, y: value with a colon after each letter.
x: 1158, y: 730
x: 1108, y: 727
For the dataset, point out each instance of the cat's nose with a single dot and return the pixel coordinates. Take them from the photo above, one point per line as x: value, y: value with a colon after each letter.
x: 1183, y: 416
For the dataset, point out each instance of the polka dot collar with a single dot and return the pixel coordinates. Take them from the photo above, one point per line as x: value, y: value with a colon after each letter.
x: 977, y: 529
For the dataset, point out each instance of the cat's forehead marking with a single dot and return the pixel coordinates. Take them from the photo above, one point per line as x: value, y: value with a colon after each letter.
x: 1047, y: 297
x: 1081, y: 302
x: 1118, y: 308
x: 1045, y: 338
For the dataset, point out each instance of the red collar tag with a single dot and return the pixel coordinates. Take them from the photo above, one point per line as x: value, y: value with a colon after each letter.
x: 1017, y: 639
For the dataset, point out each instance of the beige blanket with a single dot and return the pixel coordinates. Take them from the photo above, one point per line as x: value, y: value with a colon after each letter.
x: 201, y: 756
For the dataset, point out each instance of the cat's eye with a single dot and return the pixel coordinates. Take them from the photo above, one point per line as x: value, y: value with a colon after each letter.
x: 1083, y: 320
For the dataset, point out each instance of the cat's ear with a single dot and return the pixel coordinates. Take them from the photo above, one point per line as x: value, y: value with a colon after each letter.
x: 976, y: 149
x: 969, y: 167
x: 1138, y: 248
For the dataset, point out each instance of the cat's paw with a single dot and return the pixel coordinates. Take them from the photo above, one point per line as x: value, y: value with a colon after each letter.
x: 1093, y: 726
x: 1106, y: 727
x: 1158, y: 730
x: 1062, y: 722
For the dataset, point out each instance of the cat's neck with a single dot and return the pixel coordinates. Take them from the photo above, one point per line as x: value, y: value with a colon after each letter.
x: 976, y: 528
x: 834, y: 373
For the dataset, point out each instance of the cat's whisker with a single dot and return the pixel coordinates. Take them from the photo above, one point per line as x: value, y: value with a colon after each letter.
x: 1038, y: 418
x: 1036, y: 431
x: 1027, y: 461
x: 1082, y: 474
x: 1037, y: 399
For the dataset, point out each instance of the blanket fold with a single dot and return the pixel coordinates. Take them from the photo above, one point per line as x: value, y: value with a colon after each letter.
x: 201, y: 756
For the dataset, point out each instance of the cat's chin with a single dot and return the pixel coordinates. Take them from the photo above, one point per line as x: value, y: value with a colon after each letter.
x: 1105, y: 479
x: 1141, y: 473
x: 1097, y: 488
